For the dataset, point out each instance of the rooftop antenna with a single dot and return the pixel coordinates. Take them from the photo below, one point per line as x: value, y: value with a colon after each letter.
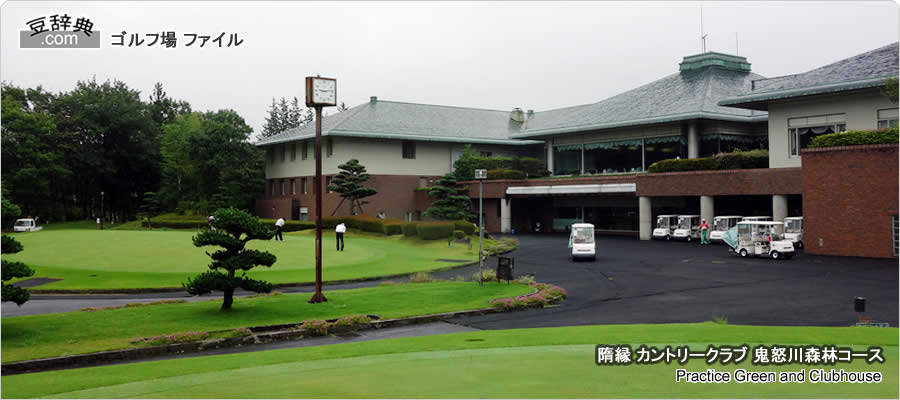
x: 702, y: 35
x: 737, y: 51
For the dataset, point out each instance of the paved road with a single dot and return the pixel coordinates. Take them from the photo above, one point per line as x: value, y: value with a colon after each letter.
x: 649, y: 282
x: 663, y: 282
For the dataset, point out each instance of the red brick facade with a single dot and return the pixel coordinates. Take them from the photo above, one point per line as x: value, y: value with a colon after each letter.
x: 849, y: 196
x: 736, y: 182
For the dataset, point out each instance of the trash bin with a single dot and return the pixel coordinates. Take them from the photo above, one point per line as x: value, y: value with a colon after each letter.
x: 504, y: 269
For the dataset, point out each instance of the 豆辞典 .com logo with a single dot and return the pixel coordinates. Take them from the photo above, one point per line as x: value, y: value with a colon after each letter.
x: 59, y: 31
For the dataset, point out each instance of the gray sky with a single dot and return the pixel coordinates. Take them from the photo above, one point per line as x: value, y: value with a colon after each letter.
x: 533, y: 55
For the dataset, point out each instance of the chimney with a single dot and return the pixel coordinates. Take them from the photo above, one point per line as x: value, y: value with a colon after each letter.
x: 517, y: 115
x: 373, y: 99
x: 529, y: 113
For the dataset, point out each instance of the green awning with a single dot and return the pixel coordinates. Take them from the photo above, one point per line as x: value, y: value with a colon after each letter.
x: 666, y: 139
x: 732, y: 138
x: 568, y: 147
x: 612, y: 144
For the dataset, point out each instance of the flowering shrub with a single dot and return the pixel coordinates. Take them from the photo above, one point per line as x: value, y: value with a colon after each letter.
x: 544, y: 295
x: 420, y: 277
x: 352, y: 320
x: 315, y: 327
x: 183, y: 337
x: 241, y: 332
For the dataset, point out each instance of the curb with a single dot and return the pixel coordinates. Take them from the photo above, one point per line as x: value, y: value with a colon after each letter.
x: 268, y: 334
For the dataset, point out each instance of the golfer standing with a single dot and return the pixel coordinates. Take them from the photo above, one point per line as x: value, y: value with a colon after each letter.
x: 339, y: 235
x: 278, y: 227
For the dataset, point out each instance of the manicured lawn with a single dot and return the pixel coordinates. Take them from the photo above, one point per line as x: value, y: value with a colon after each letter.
x: 48, y: 335
x: 122, y: 259
x: 526, y: 363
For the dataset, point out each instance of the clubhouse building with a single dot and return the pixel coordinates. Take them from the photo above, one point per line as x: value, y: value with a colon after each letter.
x: 598, y: 154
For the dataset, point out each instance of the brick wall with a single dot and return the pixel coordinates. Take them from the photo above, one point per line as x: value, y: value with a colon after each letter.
x: 849, y: 196
x: 762, y: 181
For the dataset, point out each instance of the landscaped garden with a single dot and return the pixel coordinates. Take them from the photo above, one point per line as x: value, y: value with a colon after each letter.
x: 523, y: 363
x: 58, y: 334
x: 130, y: 259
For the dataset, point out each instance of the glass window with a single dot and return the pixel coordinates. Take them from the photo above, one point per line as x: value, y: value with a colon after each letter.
x: 659, y: 151
x: 328, y: 183
x: 282, y: 188
x: 605, y: 158
x: 802, y: 130
x: 584, y: 235
x: 303, y: 185
x: 303, y: 150
x: 293, y: 187
x: 329, y: 147
x: 293, y: 151
x: 793, y: 226
x: 567, y: 160
x: 283, y: 150
x: 409, y: 149
x: 887, y: 118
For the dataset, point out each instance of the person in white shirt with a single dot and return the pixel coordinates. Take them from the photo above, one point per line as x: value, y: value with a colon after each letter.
x: 278, y: 226
x: 339, y: 233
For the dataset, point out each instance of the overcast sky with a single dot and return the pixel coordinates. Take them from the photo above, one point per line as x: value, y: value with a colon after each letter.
x: 533, y: 55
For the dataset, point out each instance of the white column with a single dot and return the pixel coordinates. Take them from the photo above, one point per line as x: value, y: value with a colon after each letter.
x: 550, y: 155
x: 505, y: 215
x: 693, y: 140
x: 645, y: 217
x: 779, y: 207
x: 707, y: 209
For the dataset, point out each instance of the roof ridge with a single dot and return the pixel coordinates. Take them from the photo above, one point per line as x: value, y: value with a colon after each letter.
x: 610, y: 97
x: 438, y: 105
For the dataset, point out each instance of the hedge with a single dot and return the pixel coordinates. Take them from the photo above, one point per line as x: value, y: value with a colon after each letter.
x: 467, y: 227
x: 734, y: 160
x: 505, y: 174
x: 434, y: 230
x: 409, y: 229
x: 393, y: 228
x: 852, y: 138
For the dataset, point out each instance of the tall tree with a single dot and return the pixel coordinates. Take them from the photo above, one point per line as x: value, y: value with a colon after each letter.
x: 233, y: 229
x: 349, y: 184
x: 450, y: 202
x: 272, y: 126
x: 164, y: 109
x: 13, y: 269
x: 178, y: 168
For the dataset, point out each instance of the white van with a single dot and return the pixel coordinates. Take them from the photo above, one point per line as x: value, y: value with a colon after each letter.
x: 581, y: 240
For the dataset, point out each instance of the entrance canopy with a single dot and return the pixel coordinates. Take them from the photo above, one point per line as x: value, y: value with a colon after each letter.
x: 571, y: 189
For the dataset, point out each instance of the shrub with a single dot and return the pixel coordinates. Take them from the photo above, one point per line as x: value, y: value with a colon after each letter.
x: 742, y: 159
x: 487, y: 275
x: 505, y: 174
x: 365, y: 223
x: 507, y: 304
x: 852, y: 138
x: 686, y: 164
x: 502, y: 245
x: 352, y: 320
x: 315, y: 327
x: 409, y: 229
x: 459, y: 234
x: 241, y: 332
x: 393, y: 228
x: 434, y: 230
x: 544, y: 295
x: 183, y: 337
x: 465, y: 226
x: 525, y: 279
x: 420, y: 277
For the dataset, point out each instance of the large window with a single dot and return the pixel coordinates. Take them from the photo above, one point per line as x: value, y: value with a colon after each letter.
x: 567, y: 160
x: 664, y: 148
x: 612, y: 157
x: 715, y: 143
x: 409, y: 149
x: 887, y: 118
x: 802, y: 130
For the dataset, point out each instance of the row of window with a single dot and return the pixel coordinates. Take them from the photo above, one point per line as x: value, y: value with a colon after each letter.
x: 304, y: 150
x: 279, y: 187
x: 802, y: 130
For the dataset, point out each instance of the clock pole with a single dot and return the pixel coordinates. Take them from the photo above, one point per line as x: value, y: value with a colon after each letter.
x: 318, y: 297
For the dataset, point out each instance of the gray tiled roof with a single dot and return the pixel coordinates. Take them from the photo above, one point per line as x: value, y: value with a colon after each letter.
x: 864, y: 70
x: 683, y: 95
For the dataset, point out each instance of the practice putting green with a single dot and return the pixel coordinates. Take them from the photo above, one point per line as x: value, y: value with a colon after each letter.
x: 526, y: 363
x: 121, y: 259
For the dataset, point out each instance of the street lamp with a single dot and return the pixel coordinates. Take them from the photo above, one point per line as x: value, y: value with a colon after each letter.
x: 320, y: 92
x: 481, y: 175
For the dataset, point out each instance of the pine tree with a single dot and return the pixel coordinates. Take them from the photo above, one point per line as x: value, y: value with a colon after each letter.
x: 450, y: 201
x: 233, y: 228
x: 295, y: 117
x: 13, y: 269
x: 349, y: 184
x: 272, y: 125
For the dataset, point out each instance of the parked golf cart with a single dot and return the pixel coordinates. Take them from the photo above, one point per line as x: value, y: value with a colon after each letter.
x: 26, y: 225
x: 721, y: 225
x: 688, y: 228
x: 793, y: 230
x: 757, y: 218
x: 665, y: 224
x: 759, y: 238
x: 581, y: 241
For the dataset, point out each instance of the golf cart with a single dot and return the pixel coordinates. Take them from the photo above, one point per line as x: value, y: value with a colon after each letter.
x: 688, y: 227
x: 759, y: 218
x: 26, y: 225
x: 721, y: 225
x: 665, y: 224
x: 759, y: 238
x: 581, y: 241
x: 793, y: 230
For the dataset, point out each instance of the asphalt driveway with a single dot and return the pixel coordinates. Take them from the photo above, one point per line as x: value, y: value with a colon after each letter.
x: 636, y: 281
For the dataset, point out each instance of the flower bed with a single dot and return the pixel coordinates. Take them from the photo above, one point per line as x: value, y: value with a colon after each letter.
x: 545, y: 294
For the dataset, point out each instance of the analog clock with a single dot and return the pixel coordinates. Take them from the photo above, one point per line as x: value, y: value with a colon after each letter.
x: 321, y: 91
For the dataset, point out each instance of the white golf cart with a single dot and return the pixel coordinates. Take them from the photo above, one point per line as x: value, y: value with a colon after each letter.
x: 26, y: 225
x: 759, y: 218
x: 665, y: 224
x: 581, y: 241
x: 721, y: 225
x: 793, y: 230
x: 759, y: 238
x: 688, y: 228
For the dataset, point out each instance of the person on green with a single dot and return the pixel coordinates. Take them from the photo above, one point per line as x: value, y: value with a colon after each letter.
x: 704, y: 231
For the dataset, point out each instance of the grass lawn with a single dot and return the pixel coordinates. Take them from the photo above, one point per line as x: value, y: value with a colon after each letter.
x: 49, y: 335
x: 526, y: 363
x: 127, y: 259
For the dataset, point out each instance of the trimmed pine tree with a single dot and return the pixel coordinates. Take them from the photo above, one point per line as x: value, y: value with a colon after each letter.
x: 450, y: 201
